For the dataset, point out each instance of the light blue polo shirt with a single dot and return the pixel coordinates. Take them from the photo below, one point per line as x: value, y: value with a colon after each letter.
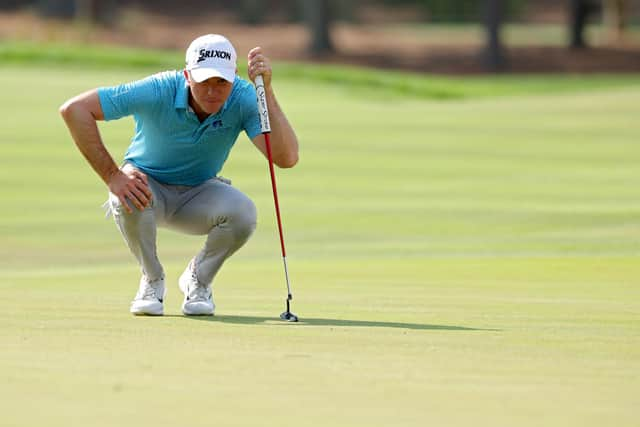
x: 170, y: 144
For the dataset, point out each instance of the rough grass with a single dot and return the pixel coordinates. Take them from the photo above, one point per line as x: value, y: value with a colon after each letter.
x: 469, y: 262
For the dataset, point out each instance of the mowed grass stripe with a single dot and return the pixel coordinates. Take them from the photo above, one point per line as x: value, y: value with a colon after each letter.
x: 481, y: 180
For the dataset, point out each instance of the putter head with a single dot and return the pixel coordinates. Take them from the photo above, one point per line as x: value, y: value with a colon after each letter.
x: 289, y: 316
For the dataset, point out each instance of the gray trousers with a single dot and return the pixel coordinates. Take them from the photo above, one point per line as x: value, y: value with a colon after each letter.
x: 214, y: 208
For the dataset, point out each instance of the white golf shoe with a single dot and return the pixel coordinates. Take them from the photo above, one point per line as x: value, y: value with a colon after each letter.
x: 148, y: 300
x: 198, y: 298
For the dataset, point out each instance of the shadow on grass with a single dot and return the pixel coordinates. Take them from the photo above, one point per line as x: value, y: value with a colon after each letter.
x: 254, y: 320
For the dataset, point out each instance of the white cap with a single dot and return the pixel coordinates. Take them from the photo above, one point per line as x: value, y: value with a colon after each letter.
x: 211, y: 55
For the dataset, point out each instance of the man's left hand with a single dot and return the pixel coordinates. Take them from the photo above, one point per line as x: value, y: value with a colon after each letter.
x: 259, y: 64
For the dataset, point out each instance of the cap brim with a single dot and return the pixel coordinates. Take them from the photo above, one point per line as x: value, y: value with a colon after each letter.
x: 202, y: 74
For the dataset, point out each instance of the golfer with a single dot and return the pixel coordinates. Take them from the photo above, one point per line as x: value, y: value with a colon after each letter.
x: 186, y: 123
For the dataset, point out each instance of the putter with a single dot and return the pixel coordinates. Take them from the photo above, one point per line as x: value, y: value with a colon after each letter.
x: 266, y: 130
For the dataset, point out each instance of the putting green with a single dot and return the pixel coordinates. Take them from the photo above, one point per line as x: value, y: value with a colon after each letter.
x: 469, y: 262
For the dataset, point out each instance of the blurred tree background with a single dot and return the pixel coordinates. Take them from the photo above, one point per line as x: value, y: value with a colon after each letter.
x: 320, y: 17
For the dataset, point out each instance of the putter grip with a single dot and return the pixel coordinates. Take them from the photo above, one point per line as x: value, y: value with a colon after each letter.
x: 262, y: 105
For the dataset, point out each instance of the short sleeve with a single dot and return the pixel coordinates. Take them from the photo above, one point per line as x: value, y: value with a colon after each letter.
x: 250, y: 116
x: 129, y: 98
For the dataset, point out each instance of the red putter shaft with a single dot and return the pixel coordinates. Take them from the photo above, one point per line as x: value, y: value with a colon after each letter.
x: 267, y: 142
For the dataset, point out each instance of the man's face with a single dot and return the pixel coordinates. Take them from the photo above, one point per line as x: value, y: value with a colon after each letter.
x: 210, y: 95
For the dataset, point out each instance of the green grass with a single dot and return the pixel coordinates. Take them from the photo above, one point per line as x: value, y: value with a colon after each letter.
x: 469, y: 262
x: 360, y: 81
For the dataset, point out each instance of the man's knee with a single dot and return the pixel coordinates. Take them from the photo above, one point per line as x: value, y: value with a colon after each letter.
x: 244, y: 219
x: 117, y: 208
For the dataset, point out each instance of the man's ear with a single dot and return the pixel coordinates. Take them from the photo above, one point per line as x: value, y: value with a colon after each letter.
x: 186, y: 74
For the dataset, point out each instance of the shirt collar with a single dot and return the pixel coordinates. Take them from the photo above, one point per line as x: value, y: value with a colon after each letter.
x: 182, y: 94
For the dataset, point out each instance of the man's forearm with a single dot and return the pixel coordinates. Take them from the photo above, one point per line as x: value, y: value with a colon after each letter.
x: 283, y: 137
x: 84, y: 130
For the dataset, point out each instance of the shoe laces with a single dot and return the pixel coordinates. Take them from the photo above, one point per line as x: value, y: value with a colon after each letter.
x: 152, y: 289
x: 200, y: 293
